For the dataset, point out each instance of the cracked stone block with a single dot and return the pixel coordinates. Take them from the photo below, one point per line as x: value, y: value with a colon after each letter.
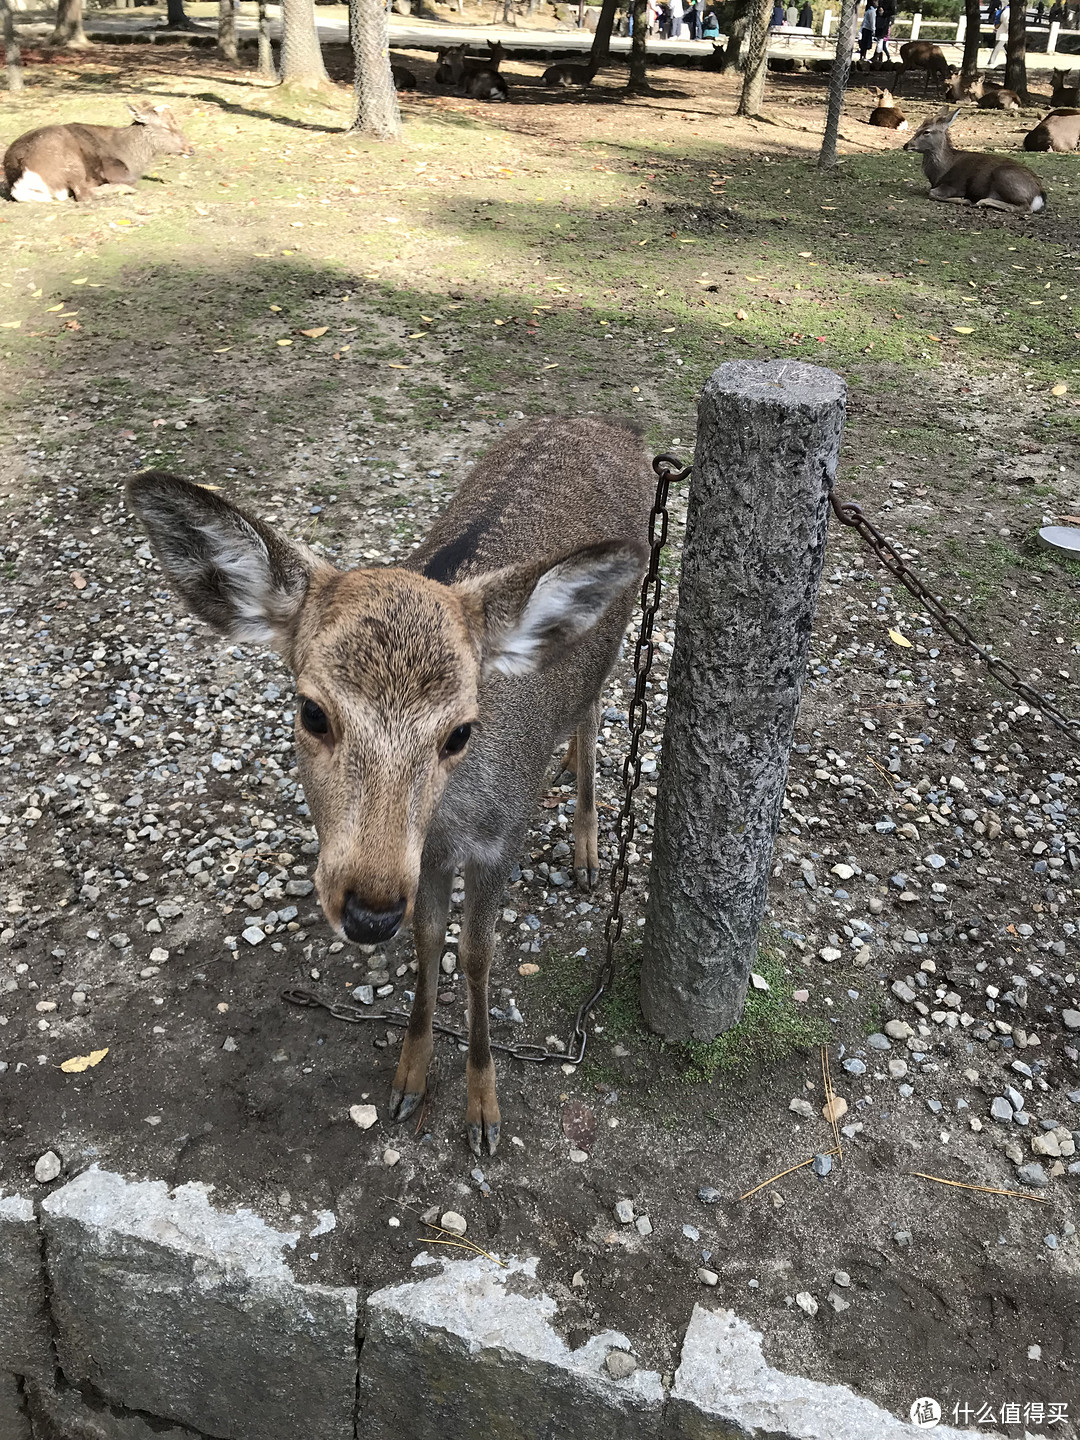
x: 725, y: 1389
x: 14, y: 1423
x: 470, y: 1351
x: 25, y: 1346
x: 67, y: 1414
x: 165, y: 1305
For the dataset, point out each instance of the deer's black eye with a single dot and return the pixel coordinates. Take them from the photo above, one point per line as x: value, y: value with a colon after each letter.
x: 457, y: 740
x: 313, y: 718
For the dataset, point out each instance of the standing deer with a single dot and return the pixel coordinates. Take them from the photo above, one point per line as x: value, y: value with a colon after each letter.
x: 58, y: 160
x: 964, y: 175
x: 1059, y: 131
x: 431, y: 694
x: 922, y: 55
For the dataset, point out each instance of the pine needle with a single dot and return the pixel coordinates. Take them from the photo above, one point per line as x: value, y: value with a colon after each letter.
x: 984, y: 1189
x: 830, y: 1095
x: 790, y: 1171
x: 466, y: 1244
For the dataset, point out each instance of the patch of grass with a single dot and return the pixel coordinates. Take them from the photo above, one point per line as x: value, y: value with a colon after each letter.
x: 772, y: 1027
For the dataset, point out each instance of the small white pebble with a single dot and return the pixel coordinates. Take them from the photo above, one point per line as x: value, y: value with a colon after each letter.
x: 390, y: 1157
x: 455, y: 1223
x: 394, y: 1222
x: 363, y: 1115
x: 708, y: 1277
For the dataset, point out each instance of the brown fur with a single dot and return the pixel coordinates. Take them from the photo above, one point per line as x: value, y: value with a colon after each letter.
x: 1060, y: 131
x: 965, y: 175
x: 922, y: 55
x: 79, y: 159
x: 996, y: 97
x: 399, y: 658
x: 1066, y: 93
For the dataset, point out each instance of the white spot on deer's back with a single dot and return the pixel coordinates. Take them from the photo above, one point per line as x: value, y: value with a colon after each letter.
x: 31, y: 186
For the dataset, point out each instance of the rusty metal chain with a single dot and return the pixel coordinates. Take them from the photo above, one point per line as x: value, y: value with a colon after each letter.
x: 668, y: 471
x: 851, y: 514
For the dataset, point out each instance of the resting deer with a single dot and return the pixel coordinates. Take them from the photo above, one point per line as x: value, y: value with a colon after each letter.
x: 570, y: 77
x: 922, y: 55
x: 77, y: 160
x: 1059, y: 131
x: 885, y: 114
x: 447, y: 71
x: 432, y: 694
x: 479, y: 80
x: 965, y: 175
x: 996, y: 97
x: 1066, y: 92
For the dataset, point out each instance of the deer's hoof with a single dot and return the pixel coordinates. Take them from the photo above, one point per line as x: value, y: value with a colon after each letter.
x: 404, y: 1103
x: 587, y: 878
x: 478, y: 1134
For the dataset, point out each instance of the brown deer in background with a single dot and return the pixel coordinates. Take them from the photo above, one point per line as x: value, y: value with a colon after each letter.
x: 964, y: 175
x: 922, y: 55
x: 77, y: 160
x: 1059, y: 131
x: 432, y: 694
x: 1066, y: 91
x: 885, y: 114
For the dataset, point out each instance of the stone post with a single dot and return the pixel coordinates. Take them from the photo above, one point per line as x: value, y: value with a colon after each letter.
x: 767, y: 444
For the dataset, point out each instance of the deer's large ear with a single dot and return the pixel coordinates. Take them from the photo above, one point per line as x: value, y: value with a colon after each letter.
x: 231, y: 570
x: 526, y: 617
x: 954, y: 114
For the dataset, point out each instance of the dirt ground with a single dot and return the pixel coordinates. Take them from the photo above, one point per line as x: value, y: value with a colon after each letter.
x: 554, y: 255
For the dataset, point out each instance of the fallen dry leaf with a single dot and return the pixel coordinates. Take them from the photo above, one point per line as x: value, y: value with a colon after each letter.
x: 316, y: 332
x: 898, y: 639
x: 579, y: 1124
x: 834, y: 1109
x: 964, y: 329
x: 1061, y: 388
x: 78, y: 1063
x: 528, y: 968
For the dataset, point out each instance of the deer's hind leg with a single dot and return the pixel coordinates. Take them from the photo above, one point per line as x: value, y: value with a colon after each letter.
x: 586, y: 830
x: 429, y: 932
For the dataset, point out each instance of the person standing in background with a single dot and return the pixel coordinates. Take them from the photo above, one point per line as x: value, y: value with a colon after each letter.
x: 886, y: 13
x: 866, y: 34
x: 806, y: 17
x: 1001, y: 38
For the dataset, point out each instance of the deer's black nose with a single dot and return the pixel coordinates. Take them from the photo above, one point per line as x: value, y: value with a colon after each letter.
x: 367, y: 926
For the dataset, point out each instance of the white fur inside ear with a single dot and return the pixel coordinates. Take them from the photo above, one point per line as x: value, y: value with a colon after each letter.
x: 246, y: 572
x: 566, y: 601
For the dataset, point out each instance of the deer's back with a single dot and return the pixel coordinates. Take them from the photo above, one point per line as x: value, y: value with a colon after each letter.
x: 976, y: 177
x: 53, y: 150
x: 548, y: 487
x: 1059, y: 131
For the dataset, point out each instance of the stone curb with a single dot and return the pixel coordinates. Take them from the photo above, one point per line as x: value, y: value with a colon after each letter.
x: 175, y: 1320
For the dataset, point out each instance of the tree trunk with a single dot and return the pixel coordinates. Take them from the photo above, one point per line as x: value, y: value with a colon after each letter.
x: 838, y: 79
x: 177, y: 17
x: 12, y: 54
x: 267, y: 68
x: 767, y: 444
x: 301, y: 55
x: 68, y: 31
x: 376, y: 107
x: 757, y: 54
x: 601, y: 45
x: 226, y: 30
x: 734, y: 53
x: 969, y: 66
x: 1016, y: 54
x: 638, y: 82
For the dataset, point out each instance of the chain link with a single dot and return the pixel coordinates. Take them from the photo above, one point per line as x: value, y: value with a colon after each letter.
x: 668, y: 472
x: 851, y: 514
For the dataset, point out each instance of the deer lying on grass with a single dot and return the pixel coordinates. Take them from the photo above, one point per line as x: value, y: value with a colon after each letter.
x: 922, y: 55
x: 1059, y: 131
x: 565, y: 76
x: 885, y: 114
x: 432, y: 694
x: 996, y: 97
x: 77, y: 160
x: 964, y: 175
x: 1066, y: 90
x: 445, y: 69
x: 482, y: 80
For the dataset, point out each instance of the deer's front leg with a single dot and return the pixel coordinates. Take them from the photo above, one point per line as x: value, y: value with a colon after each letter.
x: 586, y: 835
x: 429, y: 932
x: 484, y: 886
